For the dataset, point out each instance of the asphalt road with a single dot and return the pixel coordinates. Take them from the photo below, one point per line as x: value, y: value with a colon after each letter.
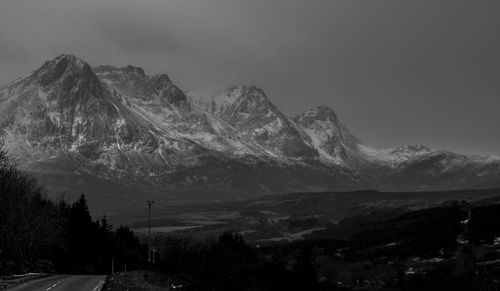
x: 63, y: 283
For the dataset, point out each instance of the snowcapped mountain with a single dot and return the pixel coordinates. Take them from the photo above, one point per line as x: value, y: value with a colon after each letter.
x: 77, y: 127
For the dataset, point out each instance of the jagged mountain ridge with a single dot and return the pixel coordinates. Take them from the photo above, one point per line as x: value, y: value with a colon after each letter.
x: 124, y: 126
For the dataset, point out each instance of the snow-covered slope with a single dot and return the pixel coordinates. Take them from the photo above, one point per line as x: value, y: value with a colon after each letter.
x: 260, y: 123
x: 329, y: 136
x: 124, y: 126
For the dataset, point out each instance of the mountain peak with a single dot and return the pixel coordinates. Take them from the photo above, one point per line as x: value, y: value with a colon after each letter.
x: 70, y: 60
x: 68, y: 57
x: 328, y: 135
x: 65, y: 64
x: 320, y: 112
x: 239, y: 98
x: 246, y: 91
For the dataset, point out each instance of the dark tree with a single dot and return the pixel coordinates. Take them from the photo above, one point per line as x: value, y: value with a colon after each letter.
x: 305, y: 269
x: 28, y: 223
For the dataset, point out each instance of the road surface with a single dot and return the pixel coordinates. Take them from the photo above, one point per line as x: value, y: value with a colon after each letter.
x: 63, y: 283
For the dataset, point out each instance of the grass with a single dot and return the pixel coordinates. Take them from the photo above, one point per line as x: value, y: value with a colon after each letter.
x: 137, y: 281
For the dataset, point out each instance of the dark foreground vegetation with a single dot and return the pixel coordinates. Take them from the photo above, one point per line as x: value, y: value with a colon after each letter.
x: 452, y: 247
x: 455, y: 246
x: 41, y: 235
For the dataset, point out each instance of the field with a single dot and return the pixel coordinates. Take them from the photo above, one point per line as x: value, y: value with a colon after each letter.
x: 287, y: 217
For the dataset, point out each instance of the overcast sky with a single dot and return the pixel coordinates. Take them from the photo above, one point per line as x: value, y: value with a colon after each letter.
x: 396, y: 72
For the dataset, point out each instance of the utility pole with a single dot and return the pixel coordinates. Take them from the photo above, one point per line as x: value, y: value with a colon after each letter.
x: 150, y: 203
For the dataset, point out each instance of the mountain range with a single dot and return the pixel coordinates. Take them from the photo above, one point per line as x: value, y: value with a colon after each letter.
x: 119, y: 132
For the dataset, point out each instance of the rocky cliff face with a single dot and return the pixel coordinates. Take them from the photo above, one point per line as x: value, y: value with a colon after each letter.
x: 124, y: 127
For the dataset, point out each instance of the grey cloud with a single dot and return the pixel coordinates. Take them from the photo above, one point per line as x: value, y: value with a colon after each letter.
x: 140, y: 37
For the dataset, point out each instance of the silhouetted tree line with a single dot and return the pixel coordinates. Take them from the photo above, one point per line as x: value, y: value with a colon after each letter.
x: 228, y: 263
x: 38, y: 234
